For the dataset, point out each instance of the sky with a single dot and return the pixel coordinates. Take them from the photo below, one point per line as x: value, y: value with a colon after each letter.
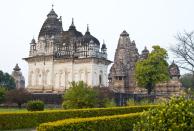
x: 148, y: 22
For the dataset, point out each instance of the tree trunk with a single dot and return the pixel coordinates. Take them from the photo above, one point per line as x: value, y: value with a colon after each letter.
x: 150, y: 87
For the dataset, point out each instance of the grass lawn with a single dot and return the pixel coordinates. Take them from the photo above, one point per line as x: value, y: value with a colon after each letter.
x: 12, y: 110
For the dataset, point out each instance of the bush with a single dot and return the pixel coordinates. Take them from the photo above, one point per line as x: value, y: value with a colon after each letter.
x: 33, y: 119
x: 145, y: 101
x: 2, y: 94
x: 110, y: 103
x: 80, y: 95
x: 104, y: 123
x: 35, y: 105
x: 176, y: 115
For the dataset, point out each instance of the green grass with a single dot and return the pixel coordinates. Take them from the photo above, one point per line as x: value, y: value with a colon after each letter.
x: 12, y: 110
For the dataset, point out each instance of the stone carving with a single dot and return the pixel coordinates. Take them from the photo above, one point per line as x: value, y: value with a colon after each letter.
x: 122, y: 71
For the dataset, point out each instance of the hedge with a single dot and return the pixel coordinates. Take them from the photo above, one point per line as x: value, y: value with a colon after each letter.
x: 104, y: 123
x: 21, y: 120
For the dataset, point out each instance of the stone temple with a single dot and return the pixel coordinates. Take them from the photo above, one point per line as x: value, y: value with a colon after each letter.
x: 121, y: 76
x: 18, y: 77
x: 59, y: 57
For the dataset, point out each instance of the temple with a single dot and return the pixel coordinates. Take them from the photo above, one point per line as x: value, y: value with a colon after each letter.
x: 121, y: 76
x: 59, y: 57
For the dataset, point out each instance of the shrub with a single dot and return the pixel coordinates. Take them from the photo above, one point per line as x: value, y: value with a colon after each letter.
x: 2, y: 94
x: 145, y: 101
x: 35, y: 105
x: 175, y: 115
x: 110, y: 103
x: 33, y: 119
x: 104, y: 123
x: 80, y: 95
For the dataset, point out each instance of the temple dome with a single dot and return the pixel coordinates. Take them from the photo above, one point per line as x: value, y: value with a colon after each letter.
x: 88, y: 37
x: 145, y: 51
x: 52, y: 25
x: 71, y: 33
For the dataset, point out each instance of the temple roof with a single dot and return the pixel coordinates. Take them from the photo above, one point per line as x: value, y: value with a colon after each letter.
x: 52, y: 25
x: 124, y: 33
x: 145, y: 51
x: 88, y: 37
x: 16, y: 68
x: 174, y: 70
x: 103, y: 45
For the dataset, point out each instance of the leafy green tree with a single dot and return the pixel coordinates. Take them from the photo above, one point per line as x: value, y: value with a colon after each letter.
x: 175, y: 115
x: 7, y: 81
x: 80, y: 95
x: 2, y: 94
x: 153, y: 70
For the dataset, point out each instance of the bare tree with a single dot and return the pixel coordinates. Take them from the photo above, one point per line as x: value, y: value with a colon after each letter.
x: 184, y: 51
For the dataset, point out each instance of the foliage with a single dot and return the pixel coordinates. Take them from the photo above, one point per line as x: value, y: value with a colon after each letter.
x: 184, y: 49
x: 154, y: 69
x: 110, y: 103
x: 7, y: 80
x: 104, y: 123
x: 176, y: 115
x: 105, y: 97
x: 187, y: 80
x: 31, y: 119
x: 80, y: 95
x: 18, y: 96
x: 35, y: 105
x: 145, y: 101
x: 2, y: 94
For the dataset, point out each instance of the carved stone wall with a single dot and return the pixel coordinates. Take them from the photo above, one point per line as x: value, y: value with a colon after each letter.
x: 122, y: 71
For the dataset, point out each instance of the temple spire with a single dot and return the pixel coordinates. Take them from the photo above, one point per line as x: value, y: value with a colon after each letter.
x: 87, y: 31
x: 72, y: 23
x: 72, y: 26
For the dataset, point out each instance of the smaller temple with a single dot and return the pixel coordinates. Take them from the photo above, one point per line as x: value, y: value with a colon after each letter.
x: 18, y: 77
x: 173, y: 86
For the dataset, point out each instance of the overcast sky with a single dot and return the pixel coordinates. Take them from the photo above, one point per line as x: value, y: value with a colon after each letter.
x: 148, y: 22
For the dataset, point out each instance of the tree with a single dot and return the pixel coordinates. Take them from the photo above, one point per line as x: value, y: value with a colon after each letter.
x: 7, y: 81
x: 2, y: 94
x: 80, y: 95
x: 18, y: 96
x: 153, y: 70
x: 187, y: 80
x: 184, y: 51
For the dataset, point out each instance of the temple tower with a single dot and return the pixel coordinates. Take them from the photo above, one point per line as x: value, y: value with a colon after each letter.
x: 121, y: 77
